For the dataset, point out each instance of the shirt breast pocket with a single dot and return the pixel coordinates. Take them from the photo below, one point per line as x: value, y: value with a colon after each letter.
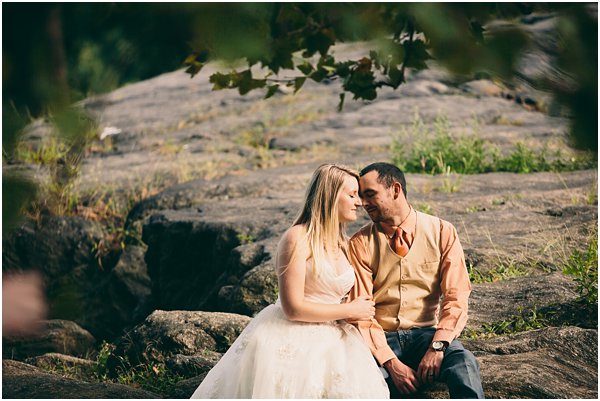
x: 429, y: 270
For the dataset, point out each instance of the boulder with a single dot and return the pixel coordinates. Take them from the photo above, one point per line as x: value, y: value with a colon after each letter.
x: 55, y: 246
x: 165, y: 334
x: 193, y: 253
x: 82, y: 369
x: 20, y: 380
x: 192, y: 365
x: 257, y: 289
x: 64, y: 250
x: 494, y: 302
x: 124, y: 297
x: 61, y: 336
x: 185, y: 388
x: 556, y: 362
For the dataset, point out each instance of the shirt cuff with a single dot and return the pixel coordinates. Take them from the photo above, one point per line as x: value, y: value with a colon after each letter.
x: 443, y: 335
x: 384, y: 354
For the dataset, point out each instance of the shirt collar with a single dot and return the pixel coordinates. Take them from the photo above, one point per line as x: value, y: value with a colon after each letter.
x: 408, y: 225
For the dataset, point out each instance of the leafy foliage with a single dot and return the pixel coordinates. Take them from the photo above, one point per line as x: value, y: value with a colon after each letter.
x: 300, y: 36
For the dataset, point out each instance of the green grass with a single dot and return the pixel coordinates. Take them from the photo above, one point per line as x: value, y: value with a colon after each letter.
x: 583, y: 267
x: 435, y: 150
x: 503, y: 270
x: 523, y: 320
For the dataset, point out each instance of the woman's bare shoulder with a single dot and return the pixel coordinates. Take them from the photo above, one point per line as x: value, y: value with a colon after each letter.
x: 292, y: 236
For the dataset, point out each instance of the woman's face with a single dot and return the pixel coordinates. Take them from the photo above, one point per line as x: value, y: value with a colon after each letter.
x: 348, y: 200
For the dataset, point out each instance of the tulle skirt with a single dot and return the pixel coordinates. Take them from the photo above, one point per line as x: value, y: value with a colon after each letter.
x: 277, y: 358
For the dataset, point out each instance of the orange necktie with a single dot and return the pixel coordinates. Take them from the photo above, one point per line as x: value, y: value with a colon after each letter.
x: 399, y: 244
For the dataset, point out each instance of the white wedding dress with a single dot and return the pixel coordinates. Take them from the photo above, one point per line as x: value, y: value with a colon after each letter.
x: 277, y: 358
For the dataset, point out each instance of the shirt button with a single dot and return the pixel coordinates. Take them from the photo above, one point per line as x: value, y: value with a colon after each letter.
x: 404, y: 277
x: 402, y: 288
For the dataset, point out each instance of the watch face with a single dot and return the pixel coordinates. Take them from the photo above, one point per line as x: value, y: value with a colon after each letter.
x: 437, y: 345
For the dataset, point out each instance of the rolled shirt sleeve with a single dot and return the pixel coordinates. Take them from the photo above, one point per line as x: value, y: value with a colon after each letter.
x: 455, y: 285
x: 370, y: 330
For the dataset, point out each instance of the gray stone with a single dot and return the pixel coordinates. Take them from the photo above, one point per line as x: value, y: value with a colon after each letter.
x: 548, y: 363
x: 61, y: 336
x: 165, y: 334
x: 20, y: 380
x: 82, y: 369
x: 185, y: 388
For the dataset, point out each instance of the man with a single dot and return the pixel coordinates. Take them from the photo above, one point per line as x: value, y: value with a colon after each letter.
x: 413, y: 266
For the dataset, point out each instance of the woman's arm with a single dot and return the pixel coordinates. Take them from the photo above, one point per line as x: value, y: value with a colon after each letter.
x: 291, y: 274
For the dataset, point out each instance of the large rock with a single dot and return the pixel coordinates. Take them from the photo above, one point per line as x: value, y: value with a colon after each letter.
x: 256, y: 290
x: 494, y: 302
x: 80, y: 368
x: 541, y: 364
x: 56, y: 246
x: 65, y: 251
x: 61, y: 336
x: 124, y: 298
x: 165, y: 335
x: 20, y: 380
x: 549, y: 363
x: 192, y: 253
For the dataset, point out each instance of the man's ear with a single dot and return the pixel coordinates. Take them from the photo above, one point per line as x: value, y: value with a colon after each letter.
x: 396, y: 189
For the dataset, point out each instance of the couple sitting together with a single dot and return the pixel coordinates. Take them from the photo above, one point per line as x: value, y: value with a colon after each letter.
x: 369, y: 317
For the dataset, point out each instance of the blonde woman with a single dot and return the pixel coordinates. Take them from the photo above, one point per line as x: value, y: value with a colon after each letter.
x: 301, y: 347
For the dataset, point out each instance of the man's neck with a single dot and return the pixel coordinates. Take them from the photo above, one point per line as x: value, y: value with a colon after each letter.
x: 400, y: 216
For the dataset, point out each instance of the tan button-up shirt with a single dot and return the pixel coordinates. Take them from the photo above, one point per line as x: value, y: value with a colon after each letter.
x: 448, y: 279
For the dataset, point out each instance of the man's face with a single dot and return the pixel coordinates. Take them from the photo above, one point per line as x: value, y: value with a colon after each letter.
x: 377, y: 200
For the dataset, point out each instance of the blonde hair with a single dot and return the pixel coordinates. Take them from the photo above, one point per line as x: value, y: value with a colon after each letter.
x: 324, y: 231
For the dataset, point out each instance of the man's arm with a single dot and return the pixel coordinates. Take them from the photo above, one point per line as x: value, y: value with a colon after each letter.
x: 404, y: 378
x: 456, y: 288
x: 455, y: 285
x: 370, y: 330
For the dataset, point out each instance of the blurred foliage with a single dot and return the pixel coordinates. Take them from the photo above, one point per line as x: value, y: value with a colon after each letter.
x: 54, y: 54
x: 467, y: 39
x: 57, y: 53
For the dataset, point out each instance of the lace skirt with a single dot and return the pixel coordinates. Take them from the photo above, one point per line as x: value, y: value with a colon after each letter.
x: 277, y: 358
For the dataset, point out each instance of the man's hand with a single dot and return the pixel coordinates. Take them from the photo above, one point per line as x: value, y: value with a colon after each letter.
x: 429, y: 368
x: 404, y: 378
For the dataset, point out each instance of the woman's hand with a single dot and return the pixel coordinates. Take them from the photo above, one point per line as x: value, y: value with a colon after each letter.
x: 362, y: 308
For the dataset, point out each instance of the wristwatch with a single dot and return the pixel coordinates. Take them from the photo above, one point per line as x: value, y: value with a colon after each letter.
x: 439, y: 346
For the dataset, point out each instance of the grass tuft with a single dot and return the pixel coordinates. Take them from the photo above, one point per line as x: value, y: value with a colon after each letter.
x: 435, y: 150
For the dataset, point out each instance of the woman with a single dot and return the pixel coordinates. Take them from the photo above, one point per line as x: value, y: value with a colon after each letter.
x: 301, y: 347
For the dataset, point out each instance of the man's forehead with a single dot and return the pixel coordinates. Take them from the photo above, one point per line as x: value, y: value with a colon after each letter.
x: 369, y: 180
x: 371, y: 176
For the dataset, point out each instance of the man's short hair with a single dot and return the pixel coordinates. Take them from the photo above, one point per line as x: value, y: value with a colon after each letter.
x: 388, y: 174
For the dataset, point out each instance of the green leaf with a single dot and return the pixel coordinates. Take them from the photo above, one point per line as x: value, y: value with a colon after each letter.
x: 220, y: 81
x: 341, y: 103
x: 195, y: 62
x: 298, y: 82
x: 306, y: 68
x: 396, y: 77
x: 246, y: 83
x: 272, y: 89
x: 418, y: 54
x: 194, y: 68
x: 318, y: 75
